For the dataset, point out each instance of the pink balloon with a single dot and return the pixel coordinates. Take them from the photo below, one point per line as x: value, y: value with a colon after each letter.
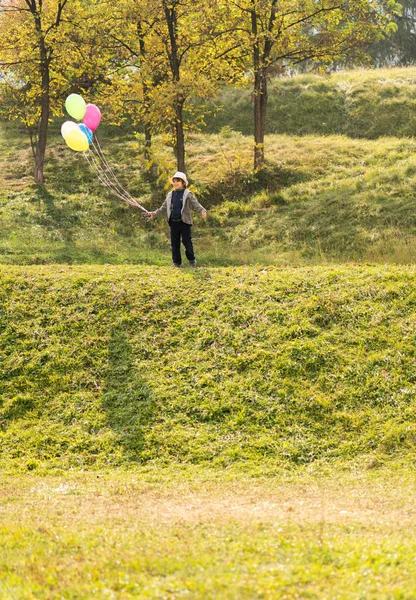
x: 92, y: 117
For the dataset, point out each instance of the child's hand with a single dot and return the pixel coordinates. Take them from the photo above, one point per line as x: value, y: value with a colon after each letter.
x: 204, y: 214
x: 149, y: 215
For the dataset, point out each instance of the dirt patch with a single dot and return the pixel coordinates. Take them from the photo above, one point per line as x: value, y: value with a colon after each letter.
x: 105, y: 500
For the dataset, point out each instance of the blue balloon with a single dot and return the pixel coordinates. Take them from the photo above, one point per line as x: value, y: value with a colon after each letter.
x: 87, y: 132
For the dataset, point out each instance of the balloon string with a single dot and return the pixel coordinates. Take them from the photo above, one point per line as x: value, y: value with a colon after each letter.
x: 113, y: 186
x: 105, y: 180
x: 102, y: 168
x: 101, y: 154
x: 103, y: 177
x: 109, y: 173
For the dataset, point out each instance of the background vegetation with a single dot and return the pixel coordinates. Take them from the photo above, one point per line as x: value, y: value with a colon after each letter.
x: 245, y: 429
x: 320, y: 199
x: 260, y: 368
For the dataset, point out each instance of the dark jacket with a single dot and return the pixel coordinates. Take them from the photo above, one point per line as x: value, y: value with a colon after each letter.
x: 189, y: 203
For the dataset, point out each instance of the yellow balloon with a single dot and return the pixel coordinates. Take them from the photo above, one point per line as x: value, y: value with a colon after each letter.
x: 77, y: 140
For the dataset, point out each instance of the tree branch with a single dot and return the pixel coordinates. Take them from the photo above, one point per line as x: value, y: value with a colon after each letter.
x: 126, y: 46
x: 268, y: 45
x: 321, y: 10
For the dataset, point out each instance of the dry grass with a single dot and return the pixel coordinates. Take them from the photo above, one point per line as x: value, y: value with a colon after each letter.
x: 128, y: 498
x: 158, y: 535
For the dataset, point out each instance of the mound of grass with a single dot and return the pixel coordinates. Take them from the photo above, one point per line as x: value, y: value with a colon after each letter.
x: 319, y: 200
x: 257, y: 369
x: 367, y: 103
x: 357, y: 203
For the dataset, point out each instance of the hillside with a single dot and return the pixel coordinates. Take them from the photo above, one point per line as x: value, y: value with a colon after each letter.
x: 363, y: 103
x: 259, y: 370
x: 245, y: 430
x: 321, y: 200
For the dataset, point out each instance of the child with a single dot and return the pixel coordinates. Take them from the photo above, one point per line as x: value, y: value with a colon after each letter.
x: 177, y: 205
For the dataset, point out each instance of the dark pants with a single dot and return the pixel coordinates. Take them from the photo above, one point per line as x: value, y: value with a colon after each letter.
x: 178, y: 230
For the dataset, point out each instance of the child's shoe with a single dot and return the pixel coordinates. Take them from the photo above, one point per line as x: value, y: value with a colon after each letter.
x: 192, y: 263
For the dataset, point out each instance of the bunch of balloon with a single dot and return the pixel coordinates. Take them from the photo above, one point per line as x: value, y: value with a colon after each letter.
x: 79, y: 136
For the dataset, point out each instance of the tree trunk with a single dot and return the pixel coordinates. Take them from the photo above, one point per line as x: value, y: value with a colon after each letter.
x: 42, y: 136
x: 44, y: 115
x: 260, y: 109
x: 180, y: 137
x: 260, y: 91
x: 146, y: 95
x: 147, y: 141
x: 171, y: 20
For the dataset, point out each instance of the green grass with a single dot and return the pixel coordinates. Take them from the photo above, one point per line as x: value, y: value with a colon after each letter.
x: 367, y: 103
x: 321, y: 200
x: 236, y: 432
x: 155, y: 535
x: 257, y: 370
x: 231, y: 433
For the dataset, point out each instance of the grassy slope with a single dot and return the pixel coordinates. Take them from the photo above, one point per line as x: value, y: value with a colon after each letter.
x: 322, y: 200
x: 359, y: 103
x: 148, y: 394
x: 327, y: 199
x: 240, y: 433
x: 254, y: 369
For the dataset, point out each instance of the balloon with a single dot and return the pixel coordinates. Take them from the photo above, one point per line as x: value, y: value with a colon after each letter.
x: 77, y: 140
x: 87, y: 132
x: 67, y: 126
x: 92, y: 117
x: 75, y: 106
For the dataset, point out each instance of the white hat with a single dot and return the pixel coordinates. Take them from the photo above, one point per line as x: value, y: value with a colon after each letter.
x: 180, y: 175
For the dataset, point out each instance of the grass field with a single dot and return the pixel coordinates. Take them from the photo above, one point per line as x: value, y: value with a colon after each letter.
x: 361, y: 103
x: 219, y: 433
x: 321, y: 200
x: 156, y: 534
x: 253, y: 369
x: 243, y: 430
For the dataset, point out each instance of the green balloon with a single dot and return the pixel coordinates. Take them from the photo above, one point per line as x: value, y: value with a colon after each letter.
x: 75, y: 106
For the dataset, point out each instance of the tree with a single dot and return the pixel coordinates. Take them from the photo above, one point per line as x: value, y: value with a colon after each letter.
x: 137, y: 65
x: 288, y: 32
x: 30, y: 33
x: 176, y: 56
x: 47, y: 49
x: 400, y: 47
